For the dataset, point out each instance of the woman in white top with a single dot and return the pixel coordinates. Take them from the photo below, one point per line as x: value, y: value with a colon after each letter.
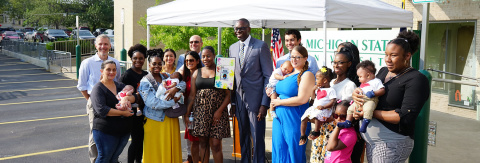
x: 344, y: 67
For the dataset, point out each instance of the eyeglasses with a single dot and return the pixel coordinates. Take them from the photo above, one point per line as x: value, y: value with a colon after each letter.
x: 342, y: 117
x: 240, y: 28
x: 196, y: 42
x: 297, y: 57
x: 189, y: 60
x: 338, y: 63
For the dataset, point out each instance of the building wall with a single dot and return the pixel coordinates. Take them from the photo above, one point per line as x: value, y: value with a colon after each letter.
x: 133, y: 11
x: 450, y: 10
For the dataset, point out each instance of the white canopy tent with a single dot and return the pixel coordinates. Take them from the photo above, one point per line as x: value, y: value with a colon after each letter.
x: 279, y: 14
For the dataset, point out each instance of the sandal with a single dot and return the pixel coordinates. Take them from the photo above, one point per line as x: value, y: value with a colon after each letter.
x: 303, y: 140
x: 314, y: 135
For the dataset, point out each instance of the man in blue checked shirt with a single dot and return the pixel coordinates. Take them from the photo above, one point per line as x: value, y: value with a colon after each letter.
x: 292, y: 39
x: 89, y: 75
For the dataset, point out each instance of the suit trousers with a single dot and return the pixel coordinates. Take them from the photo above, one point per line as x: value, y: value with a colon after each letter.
x: 92, y: 147
x: 251, y: 131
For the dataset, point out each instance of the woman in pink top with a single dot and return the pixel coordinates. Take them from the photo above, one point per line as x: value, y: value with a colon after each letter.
x: 342, y: 140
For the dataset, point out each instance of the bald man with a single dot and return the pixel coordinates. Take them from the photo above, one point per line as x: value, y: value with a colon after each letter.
x: 196, y: 45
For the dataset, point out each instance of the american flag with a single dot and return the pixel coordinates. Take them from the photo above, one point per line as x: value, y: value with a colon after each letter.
x: 276, y: 46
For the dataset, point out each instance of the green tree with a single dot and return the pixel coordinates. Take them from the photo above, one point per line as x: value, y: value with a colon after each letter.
x: 177, y: 37
x: 98, y: 13
x: 51, y: 13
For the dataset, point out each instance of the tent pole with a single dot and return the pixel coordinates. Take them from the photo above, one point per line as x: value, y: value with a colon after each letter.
x: 325, y: 42
x: 148, y: 36
x: 219, y: 41
x: 148, y: 41
x: 263, y: 34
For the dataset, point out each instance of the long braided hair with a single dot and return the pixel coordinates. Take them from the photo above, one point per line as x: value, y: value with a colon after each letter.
x: 303, y: 51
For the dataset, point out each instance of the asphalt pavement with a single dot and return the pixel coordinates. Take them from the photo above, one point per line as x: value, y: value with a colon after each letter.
x: 43, y: 117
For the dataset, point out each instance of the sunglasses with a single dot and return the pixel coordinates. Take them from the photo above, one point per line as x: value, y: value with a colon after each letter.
x: 342, y: 117
x: 196, y: 42
x: 189, y: 60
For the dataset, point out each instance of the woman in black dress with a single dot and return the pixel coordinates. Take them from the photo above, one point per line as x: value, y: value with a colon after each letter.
x: 132, y: 77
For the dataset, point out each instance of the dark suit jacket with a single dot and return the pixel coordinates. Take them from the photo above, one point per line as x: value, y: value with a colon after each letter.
x: 250, y: 81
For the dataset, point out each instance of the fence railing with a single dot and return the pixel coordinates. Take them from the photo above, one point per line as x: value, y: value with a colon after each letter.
x: 87, y: 46
x: 39, y: 51
x: 32, y: 49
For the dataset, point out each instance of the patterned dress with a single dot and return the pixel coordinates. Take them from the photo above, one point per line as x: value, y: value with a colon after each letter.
x: 319, y: 145
x: 207, y: 101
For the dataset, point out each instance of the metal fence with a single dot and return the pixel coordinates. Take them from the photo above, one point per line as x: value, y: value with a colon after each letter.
x: 32, y: 49
x: 87, y: 46
x: 39, y: 51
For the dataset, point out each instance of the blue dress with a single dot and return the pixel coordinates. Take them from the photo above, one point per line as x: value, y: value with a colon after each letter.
x: 286, y: 127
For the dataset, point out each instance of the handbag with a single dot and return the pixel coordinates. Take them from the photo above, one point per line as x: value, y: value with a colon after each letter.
x: 170, y: 112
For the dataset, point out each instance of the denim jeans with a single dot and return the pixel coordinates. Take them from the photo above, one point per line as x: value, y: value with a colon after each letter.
x: 109, y: 147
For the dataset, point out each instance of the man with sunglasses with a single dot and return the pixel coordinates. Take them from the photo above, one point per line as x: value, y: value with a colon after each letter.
x: 253, y: 67
x: 195, y: 44
x: 292, y: 39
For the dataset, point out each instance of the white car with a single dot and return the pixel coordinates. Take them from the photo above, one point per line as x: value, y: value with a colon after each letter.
x: 28, y: 36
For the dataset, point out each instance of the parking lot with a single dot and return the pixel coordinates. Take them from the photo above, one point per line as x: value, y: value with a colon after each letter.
x: 43, y: 117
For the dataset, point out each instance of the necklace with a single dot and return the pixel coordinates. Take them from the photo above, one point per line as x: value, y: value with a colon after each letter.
x: 396, y: 76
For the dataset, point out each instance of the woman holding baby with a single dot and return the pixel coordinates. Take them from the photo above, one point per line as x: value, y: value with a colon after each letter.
x: 389, y: 135
x: 162, y: 133
x: 111, y: 126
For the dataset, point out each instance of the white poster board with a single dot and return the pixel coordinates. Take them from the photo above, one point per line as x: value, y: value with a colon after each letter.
x: 370, y: 43
x: 225, y: 73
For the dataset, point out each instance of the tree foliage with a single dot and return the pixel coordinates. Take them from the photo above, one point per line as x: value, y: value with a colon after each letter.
x: 177, y: 37
x: 98, y: 13
x: 56, y: 13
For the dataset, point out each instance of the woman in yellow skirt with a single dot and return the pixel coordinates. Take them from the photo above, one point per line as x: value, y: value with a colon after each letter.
x: 162, y: 134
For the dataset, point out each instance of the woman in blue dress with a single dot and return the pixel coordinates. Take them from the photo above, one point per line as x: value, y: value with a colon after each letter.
x: 293, y: 95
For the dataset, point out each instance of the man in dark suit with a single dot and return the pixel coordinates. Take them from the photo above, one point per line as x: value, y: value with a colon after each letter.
x: 253, y: 67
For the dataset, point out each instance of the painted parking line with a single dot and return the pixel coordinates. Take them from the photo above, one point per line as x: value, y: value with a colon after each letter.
x: 38, y: 89
x: 44, y: 152
x: 43, y: 119
x: 31, y: 102
x: 21, y: 63
x: 16, y: 63
x: 23, y: 69
x: 16, y: 75
x: 20, y: 82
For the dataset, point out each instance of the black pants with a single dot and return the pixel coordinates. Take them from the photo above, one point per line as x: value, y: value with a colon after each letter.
x: 359, y: 145
x: 135, y: 151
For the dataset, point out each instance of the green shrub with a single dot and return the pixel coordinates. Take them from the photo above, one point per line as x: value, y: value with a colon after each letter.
x: 49, y: 46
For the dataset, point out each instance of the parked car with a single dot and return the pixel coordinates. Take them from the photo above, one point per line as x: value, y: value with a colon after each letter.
x: 38, y: 35
x: 2, y: 30
x: 28, y: 30
x: 84, y: 28
x: 68, y: 31
x: 21, y: 34
x: 99, y: 31
x: 109, y: 33
x: 83, y: 34
x: 55, y: 34
x: 10, y: 35
x: 28, y: 36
